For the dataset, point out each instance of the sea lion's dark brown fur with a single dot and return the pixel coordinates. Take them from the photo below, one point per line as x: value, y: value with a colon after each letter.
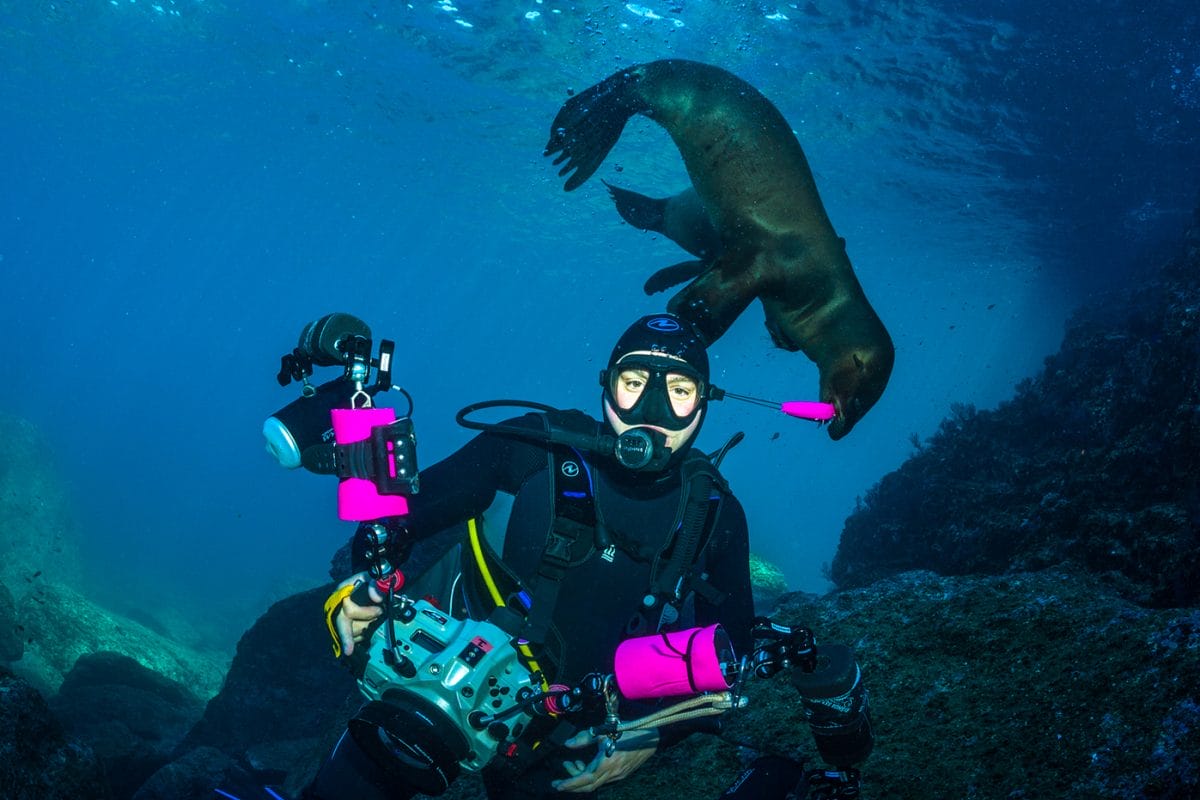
x: 776, y: 241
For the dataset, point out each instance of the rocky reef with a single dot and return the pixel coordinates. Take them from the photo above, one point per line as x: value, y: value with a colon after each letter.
x: 767, y: 581
x: 128, y: 715
x: 61, y: 625
x: 1042, y: 684
x: 37, y: 760
x: 1022, y: 595
x: 1094, y: 463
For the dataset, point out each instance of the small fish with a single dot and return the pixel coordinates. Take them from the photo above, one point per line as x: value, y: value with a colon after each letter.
x: 774, y: 436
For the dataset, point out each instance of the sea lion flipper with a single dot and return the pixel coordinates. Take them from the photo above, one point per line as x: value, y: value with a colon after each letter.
x: 682, y: 218
x: 673, y: 275
x: 715, y: 299
x: 589, y: 124
x: 640, y: 211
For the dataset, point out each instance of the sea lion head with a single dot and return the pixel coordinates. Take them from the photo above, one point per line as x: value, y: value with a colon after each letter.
x: 854, y: 381
x: 849, y: 345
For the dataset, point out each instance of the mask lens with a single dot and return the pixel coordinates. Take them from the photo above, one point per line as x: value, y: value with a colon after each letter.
x: 627, y: 384
x: 683, y: 394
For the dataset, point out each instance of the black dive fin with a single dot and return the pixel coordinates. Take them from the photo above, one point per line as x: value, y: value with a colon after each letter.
x: 674, y: 275
x: 255, y: 793
x: 590, y: 123
x: 640, y: 211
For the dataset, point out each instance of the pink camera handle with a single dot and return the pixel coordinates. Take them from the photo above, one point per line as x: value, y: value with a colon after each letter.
x: 671, y: 664
x: 358, y: 498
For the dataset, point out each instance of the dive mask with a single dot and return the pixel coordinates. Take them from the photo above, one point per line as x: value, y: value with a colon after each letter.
x: 661, y: 378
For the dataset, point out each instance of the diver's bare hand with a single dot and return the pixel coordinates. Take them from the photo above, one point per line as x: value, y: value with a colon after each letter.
x: 353, y: 619
x: 632, y: 751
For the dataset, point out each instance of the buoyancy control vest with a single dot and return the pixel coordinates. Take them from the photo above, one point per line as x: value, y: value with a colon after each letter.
x: 578, y: 531
x: 483, y: 586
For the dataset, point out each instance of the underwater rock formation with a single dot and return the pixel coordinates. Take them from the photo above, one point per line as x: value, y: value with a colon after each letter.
x: 12, y: 640
x: 37, y: 761
x: 112, y: 718
x: 285, y: 700
x: 130, y: 716
x: 766, y: 582
x: 1033, y: 685
x: 192, y: 776
x: 1095, y: 462
x: 62, y: 625
x: 1044, y: 684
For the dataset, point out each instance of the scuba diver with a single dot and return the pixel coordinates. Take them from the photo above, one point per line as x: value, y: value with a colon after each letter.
x: 640, y: 537
x: 606, y: 552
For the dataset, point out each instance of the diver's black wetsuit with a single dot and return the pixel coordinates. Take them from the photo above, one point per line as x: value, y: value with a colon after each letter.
x: 598, y: 601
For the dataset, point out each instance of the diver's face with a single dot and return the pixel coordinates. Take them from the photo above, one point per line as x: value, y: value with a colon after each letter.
x: 647, y: 393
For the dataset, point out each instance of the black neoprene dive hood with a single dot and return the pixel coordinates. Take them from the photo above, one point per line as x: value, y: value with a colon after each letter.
x: 666, y: 334
x: 659, y: 344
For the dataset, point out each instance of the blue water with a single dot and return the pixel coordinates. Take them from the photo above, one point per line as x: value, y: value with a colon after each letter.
x: 185, y: 184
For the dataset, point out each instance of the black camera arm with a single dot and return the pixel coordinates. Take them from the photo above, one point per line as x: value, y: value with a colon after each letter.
x: 783, y: 647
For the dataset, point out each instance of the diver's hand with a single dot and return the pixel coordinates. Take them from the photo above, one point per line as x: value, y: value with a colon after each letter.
x: 633, y: 749
x: 353, y: 618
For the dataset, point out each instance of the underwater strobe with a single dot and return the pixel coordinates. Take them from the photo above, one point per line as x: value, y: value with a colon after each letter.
x: 336, y: 429
x: 443, y: 694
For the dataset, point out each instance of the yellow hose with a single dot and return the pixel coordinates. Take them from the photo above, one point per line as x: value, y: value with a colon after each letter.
x: 498, y: 599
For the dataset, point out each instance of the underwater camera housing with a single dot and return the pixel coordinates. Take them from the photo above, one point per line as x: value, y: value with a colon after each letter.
x: 445, y: 695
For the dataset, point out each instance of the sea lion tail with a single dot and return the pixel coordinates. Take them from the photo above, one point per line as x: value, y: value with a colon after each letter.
x: 640, y: 211
x: 590, y: 123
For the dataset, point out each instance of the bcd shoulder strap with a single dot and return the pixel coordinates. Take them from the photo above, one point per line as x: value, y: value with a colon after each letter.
x: 571, y: 539
x: 672, y: 574
x: 576, y: 531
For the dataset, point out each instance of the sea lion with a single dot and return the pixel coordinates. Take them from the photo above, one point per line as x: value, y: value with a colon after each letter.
x: 681, y: 218
x: 775, y: 241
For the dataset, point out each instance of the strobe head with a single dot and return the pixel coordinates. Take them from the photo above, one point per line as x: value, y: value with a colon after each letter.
x: 836, y: 706
x: 332, y: 339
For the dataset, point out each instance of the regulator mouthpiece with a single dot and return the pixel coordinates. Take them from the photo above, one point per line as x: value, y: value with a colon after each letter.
x: 641, y: 449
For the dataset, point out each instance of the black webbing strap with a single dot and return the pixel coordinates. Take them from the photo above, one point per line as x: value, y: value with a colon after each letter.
x: 571, y: 538
x: 685, y: 656
x: 703, y: 489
